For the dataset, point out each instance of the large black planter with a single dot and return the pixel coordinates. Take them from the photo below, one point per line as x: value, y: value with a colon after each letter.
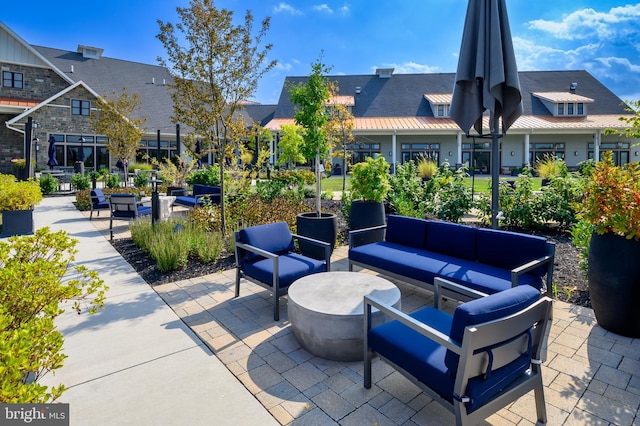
x: 17, y: 222
x: 323, y: 228
x: 365, y: 214
x: 614, y: 283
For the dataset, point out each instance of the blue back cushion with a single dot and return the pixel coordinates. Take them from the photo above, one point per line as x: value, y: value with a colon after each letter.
x: 273, y: 237
x: 199, y: 189
x: 510, y: 249
x: 407, y: 231
x: 485, y: 309
x: 452, y: 239
x: 99, y: 194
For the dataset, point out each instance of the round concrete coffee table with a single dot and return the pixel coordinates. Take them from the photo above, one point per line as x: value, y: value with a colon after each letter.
x: 326, y: 311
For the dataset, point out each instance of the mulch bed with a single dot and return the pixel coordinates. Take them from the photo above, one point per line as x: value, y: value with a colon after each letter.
x: 572, y: 286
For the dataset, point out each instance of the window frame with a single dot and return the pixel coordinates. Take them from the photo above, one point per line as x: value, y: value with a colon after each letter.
x: 12, y: 79
x: 81, y: 108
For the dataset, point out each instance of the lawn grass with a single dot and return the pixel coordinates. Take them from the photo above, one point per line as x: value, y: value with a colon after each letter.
x: 334, y: 183
x: 481, y: 183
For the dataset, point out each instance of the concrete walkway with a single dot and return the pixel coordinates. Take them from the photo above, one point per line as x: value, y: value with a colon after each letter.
x: 136, y: 362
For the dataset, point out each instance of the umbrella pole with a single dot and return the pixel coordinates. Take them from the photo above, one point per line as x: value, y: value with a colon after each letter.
x: 495, y: 173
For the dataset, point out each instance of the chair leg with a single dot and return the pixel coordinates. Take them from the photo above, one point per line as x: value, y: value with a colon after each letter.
x: 237, y: 282
x: 111, y: 227
x: 276, y: 306
x: 91, y: 215
x: 541, y: 408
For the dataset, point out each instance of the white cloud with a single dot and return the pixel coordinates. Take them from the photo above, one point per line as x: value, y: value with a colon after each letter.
x: 323, y: 8
x: 286, y: 8
x: 410, y: 68
x: 344, y: 10
x: 283, y: 67
x: 588, y: 23
x: 531, y: 56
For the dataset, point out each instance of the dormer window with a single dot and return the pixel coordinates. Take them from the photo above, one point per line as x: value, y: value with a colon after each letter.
x: 562, y: 104
x: 440, y: 104
x: 90, y: 52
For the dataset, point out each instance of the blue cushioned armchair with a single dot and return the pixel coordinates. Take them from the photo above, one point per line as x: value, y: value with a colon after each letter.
x: 474, y: 362
x: 265, y: 256
x: 125, y: 206
x: 98, y: 201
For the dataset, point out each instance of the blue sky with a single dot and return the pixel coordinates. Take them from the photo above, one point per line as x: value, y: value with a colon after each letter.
x: 358, y: 36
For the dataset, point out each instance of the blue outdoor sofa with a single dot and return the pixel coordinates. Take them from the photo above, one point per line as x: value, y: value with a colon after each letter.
x: 487, y: 260
x: 199, y: 194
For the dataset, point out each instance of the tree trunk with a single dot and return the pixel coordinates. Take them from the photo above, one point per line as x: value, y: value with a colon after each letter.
x: 318, y: 200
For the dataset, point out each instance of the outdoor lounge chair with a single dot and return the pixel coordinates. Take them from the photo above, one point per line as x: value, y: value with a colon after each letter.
x: 264, y: 256
x: 474, y: 362
x: 98, y: 202
x: 125, y: 206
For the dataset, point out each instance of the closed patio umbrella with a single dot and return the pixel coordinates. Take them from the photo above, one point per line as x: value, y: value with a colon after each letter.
x: 487, y: 79
x: 52, y: 162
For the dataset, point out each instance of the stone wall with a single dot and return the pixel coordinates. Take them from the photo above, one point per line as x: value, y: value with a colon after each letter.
x: 39, y: 83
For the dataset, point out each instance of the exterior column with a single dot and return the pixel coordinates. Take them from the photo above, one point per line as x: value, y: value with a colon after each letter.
x: 597, y: 138
x: 459, y: 148
x: 394, y: 154
x: 525, y: 154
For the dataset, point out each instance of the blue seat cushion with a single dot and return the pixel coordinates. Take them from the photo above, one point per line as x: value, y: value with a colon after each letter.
x: 424, y: 266
x: 144, y: 210
x: 406, y: 231
x: 452, y: 239
x: 185, y: 200
x: 199, y: 189
x: 509, y: 250
x: 291, y: 267
x: 273, y: 237
x: 492, y: 307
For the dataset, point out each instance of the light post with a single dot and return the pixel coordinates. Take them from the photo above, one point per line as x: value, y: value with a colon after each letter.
x: 155, y: 199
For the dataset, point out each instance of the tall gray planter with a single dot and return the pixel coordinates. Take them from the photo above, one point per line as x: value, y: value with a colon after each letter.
x: 322, y: 228
x: 614, y: 283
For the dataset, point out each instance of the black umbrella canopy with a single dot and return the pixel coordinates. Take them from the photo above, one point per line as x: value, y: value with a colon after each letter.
x: 52, y: 162
x: 487, y: 79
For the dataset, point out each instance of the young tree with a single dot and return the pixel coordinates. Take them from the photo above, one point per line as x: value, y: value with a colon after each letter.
x: 213, y: 73
x: 341, y: 124
x: 290, y: 145
x: 117, y: 118
x: 310, y: 100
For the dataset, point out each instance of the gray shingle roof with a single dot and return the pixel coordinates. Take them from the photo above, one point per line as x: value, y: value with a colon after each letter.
x: 402, y: 95
x: 106, y: 75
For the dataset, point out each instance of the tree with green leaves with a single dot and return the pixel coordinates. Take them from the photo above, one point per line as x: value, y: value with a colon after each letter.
x: 310, y: 101
x: 214, y: 72
x: 632, y: 128
x: 341, y: 124
x: 290, y: 145
x: 117, y: 117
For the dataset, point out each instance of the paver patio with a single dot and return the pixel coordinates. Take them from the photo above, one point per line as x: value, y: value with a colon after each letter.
x: 591, y: 376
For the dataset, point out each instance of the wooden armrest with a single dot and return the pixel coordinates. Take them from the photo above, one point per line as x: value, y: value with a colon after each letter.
x: 441, y: 287
x: 422, y: 328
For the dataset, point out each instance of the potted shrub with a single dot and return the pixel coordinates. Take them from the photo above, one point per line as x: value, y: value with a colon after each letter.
x: 369, y: 188
x: 549, y: 166
x: 426, y: 169
x: 20, y: 168
x: 310, y: 100
x: 612, y: 206
x: 17, y: 200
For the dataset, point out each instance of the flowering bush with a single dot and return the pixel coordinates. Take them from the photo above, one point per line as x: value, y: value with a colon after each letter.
x: 15, y: 195
x: 612, y: 198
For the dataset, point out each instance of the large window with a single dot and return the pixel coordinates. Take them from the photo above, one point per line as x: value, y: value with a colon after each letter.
x: 413, y: 151
x: 79, y: 107
x: 12, y: 79
x: 619, y: 150
x: 149, y: 149
x: 360, y: 151
x: 537, y: 151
